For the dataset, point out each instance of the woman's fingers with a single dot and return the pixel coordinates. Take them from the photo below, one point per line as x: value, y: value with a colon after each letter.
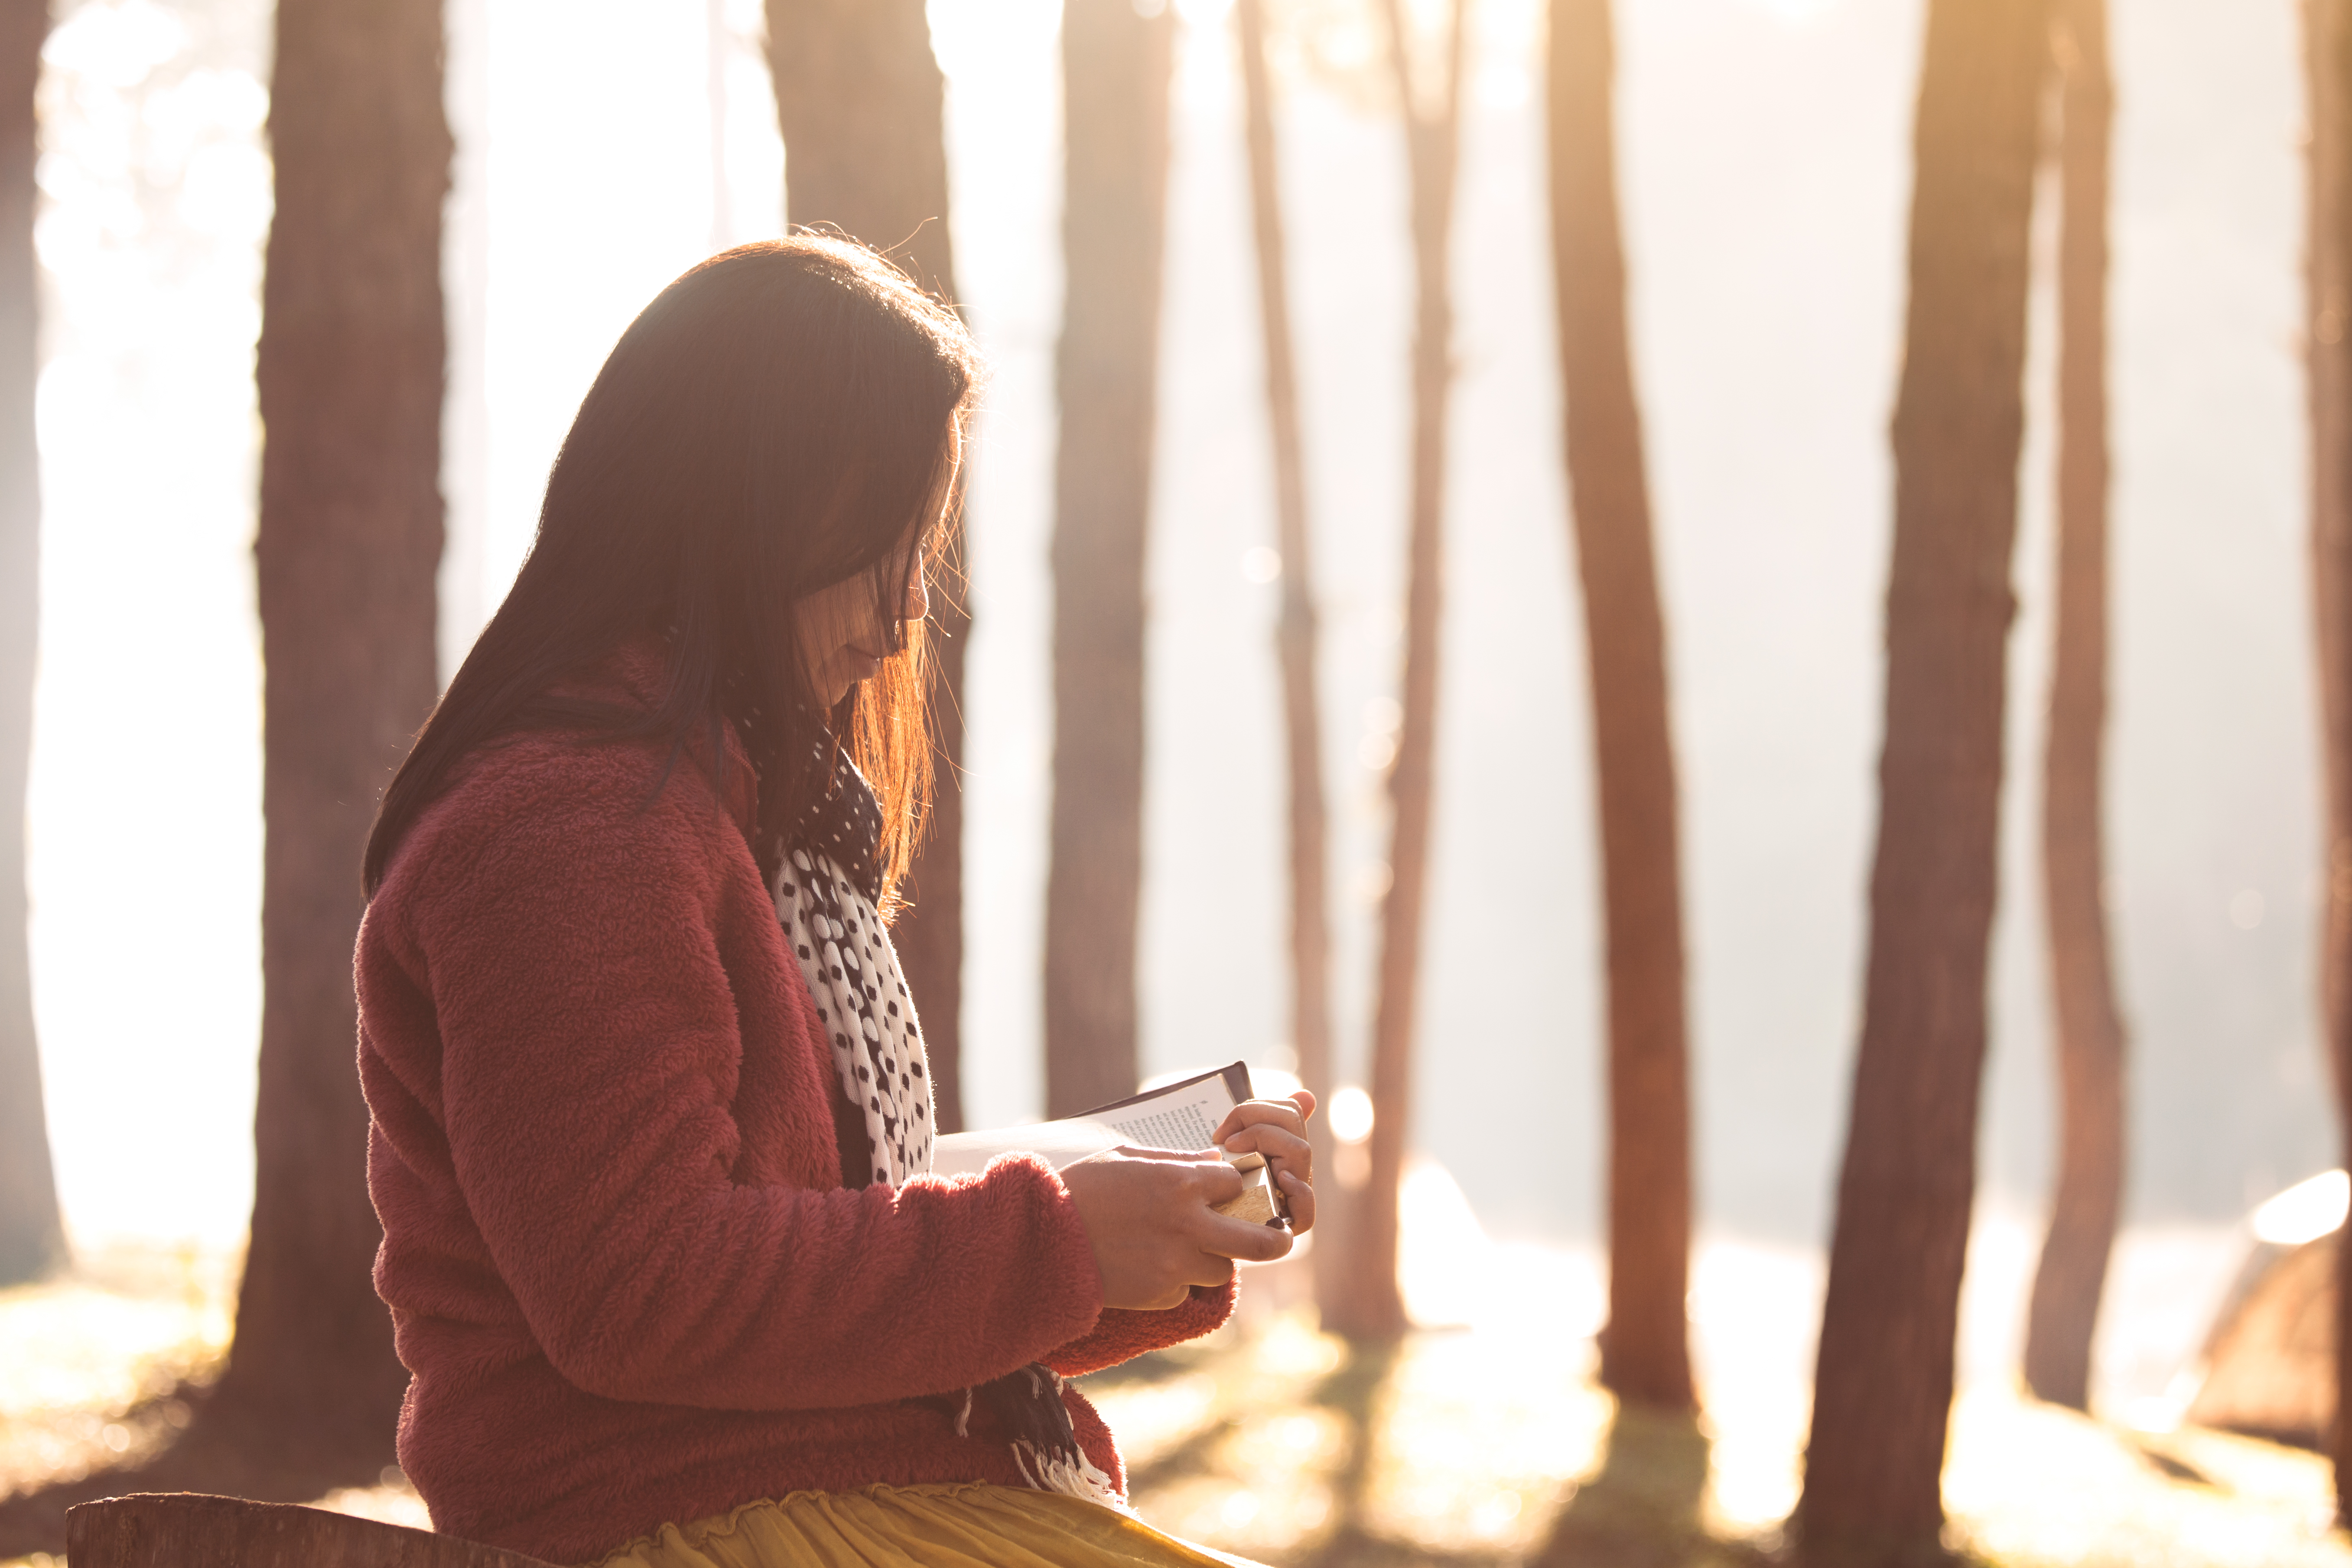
x: 1292, y: 1160
x: 1231, y: 1241
x: 1300, y: 1197
x: 1291, y: 1113
x: 1278, y: 1129
x: 1151, y: 1214
x: 1286, y: 1150
x: 1226, y: 1239
x: 1153, y: 1229
x: 1214, y: 1182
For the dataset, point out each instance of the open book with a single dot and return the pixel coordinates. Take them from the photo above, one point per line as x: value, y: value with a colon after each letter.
x: 1175, y: 1116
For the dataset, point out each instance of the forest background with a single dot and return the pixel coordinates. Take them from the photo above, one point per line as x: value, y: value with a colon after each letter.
x: 1765, y: 172
x: 1765, y: 176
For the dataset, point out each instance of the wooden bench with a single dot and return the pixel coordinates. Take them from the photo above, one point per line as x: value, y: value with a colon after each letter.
x: 190, y: 1530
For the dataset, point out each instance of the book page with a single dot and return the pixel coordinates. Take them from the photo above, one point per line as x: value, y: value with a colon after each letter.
x: 1182, y: 1116
x: 1177, y: 1116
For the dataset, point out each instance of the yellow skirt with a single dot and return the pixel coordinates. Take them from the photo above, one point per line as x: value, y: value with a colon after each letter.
x: 966, y: 1524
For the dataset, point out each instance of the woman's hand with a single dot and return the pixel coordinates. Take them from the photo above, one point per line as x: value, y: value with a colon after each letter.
x: 1153, y: 1232
x: 1278, y: 1129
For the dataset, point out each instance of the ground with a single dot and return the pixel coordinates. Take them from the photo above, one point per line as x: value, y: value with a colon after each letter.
x: 1487, y: 1443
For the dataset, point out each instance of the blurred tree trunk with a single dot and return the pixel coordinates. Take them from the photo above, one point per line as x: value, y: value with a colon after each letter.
x: 349, y: 373
x: 1884, y: 1384
x: 31, y: 1238
x: 2073, y: 1267
x: 1310, y: 927
x: 1116, y: 65
x: 1364, y: 1303
x: 859, y: 100
x: 2327, y: 48
x: 1645, y: 1349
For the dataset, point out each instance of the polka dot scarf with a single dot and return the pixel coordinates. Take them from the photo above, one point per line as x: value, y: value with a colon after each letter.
x: 828, y: 884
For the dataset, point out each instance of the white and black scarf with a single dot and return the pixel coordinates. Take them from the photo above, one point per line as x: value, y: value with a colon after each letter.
x: 828, y: 890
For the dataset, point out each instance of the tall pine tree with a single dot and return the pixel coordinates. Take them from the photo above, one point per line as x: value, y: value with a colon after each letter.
x: 1363, y: 1301
x: 1116, y: 68
x: 1297, y: 632
x: 1645, y: 1353
x: 1883, y: 1387
x: 349, y: 371
x: 2090, y: 1035
x: 31, y: 1237
x: 2327, y: 56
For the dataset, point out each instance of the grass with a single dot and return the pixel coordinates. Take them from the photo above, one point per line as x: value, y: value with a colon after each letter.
x: 1477, y: 1446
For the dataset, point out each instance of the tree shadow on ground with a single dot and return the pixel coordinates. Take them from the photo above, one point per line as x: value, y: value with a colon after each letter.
x: 1352, y: 1391
x: 1643, y: 1508
x: 1646, y: 1510
x: 232, y: 1452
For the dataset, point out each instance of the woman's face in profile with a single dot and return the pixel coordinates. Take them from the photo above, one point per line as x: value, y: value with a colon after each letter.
x: 844, y: 633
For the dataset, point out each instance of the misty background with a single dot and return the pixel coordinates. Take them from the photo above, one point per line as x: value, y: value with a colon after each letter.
x: 1765, y: 175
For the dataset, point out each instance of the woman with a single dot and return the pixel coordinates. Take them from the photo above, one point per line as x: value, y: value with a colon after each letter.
x: 651, y: 1116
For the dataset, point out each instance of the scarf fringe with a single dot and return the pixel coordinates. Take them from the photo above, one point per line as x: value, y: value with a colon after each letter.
x: 1078, y: 1478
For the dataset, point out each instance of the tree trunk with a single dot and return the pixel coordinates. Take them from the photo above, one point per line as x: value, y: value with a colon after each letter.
x: 859, y: 99
x: 1296, y: 638
x: 1884, y: 1384
x: 2327, y: 47
x: 2073, y: 1268
x: 1116, y: 65
x: 350, y: 373
x: 31, y: 1238
x: 1645, y: 1352
x: 1366, y: 1304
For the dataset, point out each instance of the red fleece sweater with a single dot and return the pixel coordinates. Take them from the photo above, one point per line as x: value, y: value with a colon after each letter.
x: 623, y: 1270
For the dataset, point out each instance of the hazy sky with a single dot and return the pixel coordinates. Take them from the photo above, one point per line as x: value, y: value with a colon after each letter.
x: 1765, y: 169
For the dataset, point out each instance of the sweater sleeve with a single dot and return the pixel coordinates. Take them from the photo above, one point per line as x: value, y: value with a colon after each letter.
x: 1123, y: 1333
x: 590, y: 1039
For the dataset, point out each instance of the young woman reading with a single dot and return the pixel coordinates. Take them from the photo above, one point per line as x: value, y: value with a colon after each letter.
x: 652, y: 1124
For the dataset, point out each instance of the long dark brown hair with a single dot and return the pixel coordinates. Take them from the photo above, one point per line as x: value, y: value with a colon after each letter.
x: 775, y: 422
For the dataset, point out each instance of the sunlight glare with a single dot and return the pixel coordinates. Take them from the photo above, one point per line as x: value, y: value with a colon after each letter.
x: 978, y: 37
x: 115, y: 46
x: 1351, y: 1115
x: 156, y: 194
x: 1273, y: 1082
x: 226, y: 194
x: 2306, y: 1211
x: 1446, y: 1267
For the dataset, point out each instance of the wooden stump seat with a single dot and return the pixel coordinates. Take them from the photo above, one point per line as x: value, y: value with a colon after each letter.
x: 190, y: 1530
